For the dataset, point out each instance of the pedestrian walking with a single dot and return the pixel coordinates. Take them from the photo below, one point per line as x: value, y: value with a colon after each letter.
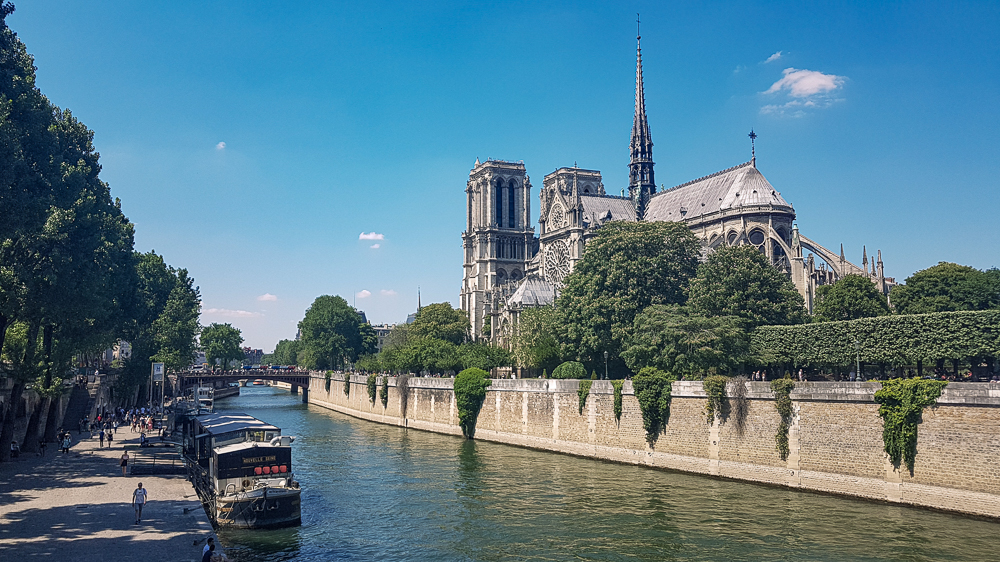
x: 101, y: 444
x: 111, y: 437
x: 124, y: 462
x: 139, y: 497
x: 66, y: 442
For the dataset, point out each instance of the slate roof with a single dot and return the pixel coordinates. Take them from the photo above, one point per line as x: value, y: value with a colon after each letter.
x: 599, y: 209
x: 533, y: 291
x: 217, y: 424
x: 739, y: 186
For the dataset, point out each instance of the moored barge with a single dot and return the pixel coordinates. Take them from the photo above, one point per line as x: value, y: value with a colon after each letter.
x: 241, y: 468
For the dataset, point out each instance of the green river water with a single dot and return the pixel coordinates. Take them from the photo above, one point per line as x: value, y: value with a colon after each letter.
x: 376, y: 492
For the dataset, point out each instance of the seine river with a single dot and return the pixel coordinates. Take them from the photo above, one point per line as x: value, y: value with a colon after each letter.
x: 375, y: 492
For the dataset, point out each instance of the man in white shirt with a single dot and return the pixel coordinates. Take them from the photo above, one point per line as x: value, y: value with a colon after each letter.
x: 139, y: 497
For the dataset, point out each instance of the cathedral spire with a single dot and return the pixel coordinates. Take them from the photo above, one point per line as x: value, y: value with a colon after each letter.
x: 641, y: 184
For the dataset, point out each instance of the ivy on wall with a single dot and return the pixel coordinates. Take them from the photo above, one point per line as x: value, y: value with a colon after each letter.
x: 652, y: 389
x: 347, y: 384
x: 327, y: 377
x: 897, y: 339
x: 583, y: 391
x: 901, y: 404
x: 384, y: 392
x: 715, y: 388
x: 403, y: 389
x: 372, y: 387
x: 470, y: 391
x: 617, y: 386
x: 782, y: 389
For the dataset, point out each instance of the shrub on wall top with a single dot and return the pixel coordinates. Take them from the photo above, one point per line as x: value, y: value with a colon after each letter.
x: 570, y: 370
x: 652, y: 390
x: 470, y: 391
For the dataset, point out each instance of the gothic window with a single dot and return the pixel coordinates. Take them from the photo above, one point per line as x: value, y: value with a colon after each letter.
x: 499, y: 195
x: 501, y: 277
x: 756, y: 237
x: 731, y: 238
x: 515, y: 275
x: 557, y: 262
x: 511, y: 220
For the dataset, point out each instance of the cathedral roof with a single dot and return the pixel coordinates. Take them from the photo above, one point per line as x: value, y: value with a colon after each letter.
x: 533, y: 291
x: 736, y: 187
x: 598, y: 209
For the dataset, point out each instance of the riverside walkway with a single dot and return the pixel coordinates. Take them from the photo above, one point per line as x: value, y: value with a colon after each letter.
x: 77, y: 506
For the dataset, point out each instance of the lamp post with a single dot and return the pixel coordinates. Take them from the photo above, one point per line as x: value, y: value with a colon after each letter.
x: 605, y: 365
x: 857, y: 348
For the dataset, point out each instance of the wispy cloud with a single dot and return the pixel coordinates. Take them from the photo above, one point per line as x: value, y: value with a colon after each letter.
x: 803, y: 89
x: 231, y: 313
x: 376, y: 246
x: 364, y: 294
x: 371, y: 236
x: 220, y: 146
x: 387, y: 293
x: 267, y: 297
x: 773, y: 57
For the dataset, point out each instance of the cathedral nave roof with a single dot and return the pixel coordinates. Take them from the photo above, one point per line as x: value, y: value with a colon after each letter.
x: 600, y: 209
x: 739, y: 186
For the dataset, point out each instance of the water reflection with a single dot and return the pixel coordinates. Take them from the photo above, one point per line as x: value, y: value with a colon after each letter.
x: 375, y: 492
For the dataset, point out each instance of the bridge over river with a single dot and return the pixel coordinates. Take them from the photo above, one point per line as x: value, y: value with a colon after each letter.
x: 298, y: 379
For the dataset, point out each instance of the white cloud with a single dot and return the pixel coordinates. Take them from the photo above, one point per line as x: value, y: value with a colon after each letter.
x: 220, y: 146
x: 267, y: 297
x: 805, y: 89
x: 364, y: 294
x: 376, y: 246
x: 387, y: 293
x: 773, y: 57
x: 371, y: 236
x: 231, y: 313
x: 806, y: 83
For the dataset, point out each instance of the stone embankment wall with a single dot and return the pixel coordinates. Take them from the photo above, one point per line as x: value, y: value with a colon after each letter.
x: 835, y: 438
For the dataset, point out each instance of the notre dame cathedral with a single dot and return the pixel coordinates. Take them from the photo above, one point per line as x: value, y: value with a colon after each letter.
x: 508, y: 267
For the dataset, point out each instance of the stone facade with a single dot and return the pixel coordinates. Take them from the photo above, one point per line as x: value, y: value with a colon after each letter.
x: 835, y: 438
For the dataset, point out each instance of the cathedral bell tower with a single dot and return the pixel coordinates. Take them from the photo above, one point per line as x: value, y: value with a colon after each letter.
x: 641, y: 185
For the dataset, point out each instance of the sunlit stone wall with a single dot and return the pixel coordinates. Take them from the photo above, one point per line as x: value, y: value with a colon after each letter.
x: 835, y: 438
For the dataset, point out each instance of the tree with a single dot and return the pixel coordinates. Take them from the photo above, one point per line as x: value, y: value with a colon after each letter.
x: 570, y: 370
x: 625, y: 268
x: 851, y: 297
x: 441, y: 321
x: 286, y: 353
x: 739, y: 281
x: 673, y: 339
x: 332, y: 333
x: 534, y: 343
x: 947, y: 287
x: 483, y: 356
x: 177, y: 326
x: 221, y: 344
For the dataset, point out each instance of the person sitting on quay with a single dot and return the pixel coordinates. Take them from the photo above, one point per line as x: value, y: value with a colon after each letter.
x: 15, y: 450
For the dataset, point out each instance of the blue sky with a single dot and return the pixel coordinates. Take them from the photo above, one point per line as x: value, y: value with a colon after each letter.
x: 878, y: 121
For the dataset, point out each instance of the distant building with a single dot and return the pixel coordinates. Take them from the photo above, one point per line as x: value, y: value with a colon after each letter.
x: 252, y: 356
x: 382, y: 331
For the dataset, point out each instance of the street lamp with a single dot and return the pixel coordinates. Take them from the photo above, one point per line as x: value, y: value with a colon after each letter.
x: 605, y: 365
x: 857, y: 348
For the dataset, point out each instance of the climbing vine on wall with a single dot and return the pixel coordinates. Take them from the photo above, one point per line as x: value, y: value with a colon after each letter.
x: 715, y: 388
x: 384, y: 392
x: 403, y: 389
x: 617, y: 386
x: 470, y: 391
x: 347, y: 384
x: 652, y: 389
x: 327, y: 377
x: 782, y: 389
x: 739, y: 405
x: 583, y: 391
x: 901, y: 404
x: 372, y: 387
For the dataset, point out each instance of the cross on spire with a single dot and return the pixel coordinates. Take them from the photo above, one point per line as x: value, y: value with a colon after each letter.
x: 753, y: 150
x: 637, y: 35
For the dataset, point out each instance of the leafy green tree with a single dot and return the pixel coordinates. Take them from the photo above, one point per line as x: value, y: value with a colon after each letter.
x: 440, y: 321
x: 739, y: 281
x: 222, y: 344
x: 674, y: 339
x: 483, y: 356
x: 947, y: 287
x: 625, y: 268
x: 570, y: 370
x: 851, y: 297
x: 286, y: 352
x: 332, y: 333
x: 177, y: 326
x: 434, y: 355
x: 534, y: 343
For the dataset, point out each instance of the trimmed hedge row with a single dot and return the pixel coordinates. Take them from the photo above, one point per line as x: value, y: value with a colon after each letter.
x: 902, y: 339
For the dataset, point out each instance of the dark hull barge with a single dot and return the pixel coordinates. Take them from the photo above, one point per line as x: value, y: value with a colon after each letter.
x: 241, y: 468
